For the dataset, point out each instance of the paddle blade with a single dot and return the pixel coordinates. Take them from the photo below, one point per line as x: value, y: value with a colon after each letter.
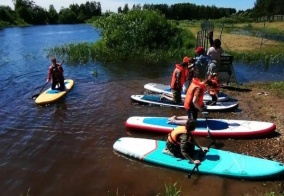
x: 35, y: 96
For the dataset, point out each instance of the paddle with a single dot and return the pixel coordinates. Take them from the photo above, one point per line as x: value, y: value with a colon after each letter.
x: 36, y: 95
x: 196, y: 165
x: 205, y: 114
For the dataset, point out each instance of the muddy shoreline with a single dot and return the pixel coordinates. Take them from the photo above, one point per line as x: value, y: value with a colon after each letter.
x: 256, y: 104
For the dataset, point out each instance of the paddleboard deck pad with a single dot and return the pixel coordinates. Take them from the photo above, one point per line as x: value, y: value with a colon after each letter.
x: 218, y: 127
x: 50, y: 95
x: 156, y: 100
x: 162, y: 88
x: 215, y: 162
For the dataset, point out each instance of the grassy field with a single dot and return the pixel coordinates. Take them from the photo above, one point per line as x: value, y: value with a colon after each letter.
x: 237, y: 42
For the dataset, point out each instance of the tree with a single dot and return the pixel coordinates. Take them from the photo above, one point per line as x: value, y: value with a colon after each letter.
x: 39, y: 15
x: 125, y: 9
x: 29, y: 12
x: 67, y: 16
x: 6, y: 14
x: 53, y: 16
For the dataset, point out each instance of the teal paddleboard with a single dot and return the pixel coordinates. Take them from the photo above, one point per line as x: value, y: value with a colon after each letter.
x: 215, y: 162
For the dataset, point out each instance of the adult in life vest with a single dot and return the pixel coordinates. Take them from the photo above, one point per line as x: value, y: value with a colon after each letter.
x: 179, y: 77
x: 55, y: 74
x: 193, y: 102
x: 181, y: 144
x: 215, y: 88
x: 189, y: 74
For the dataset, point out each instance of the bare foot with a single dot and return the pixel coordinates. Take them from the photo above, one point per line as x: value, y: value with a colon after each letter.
x: 172, y: 118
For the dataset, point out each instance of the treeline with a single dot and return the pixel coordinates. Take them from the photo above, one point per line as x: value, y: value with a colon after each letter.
x: 27, y: 12
x: 268, y: 8
x: 184, y: 11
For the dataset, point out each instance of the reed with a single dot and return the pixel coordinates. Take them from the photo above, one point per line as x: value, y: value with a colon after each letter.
x: 265, y: 58
x: 172, y: 190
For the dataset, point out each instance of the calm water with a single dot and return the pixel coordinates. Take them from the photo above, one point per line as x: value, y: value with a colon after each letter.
x: 66, y: 148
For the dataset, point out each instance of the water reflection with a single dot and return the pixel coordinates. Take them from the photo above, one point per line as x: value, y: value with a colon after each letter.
x: 258, y: 72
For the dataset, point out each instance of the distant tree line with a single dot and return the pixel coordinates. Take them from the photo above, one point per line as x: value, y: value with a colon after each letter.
x: 27, y: 12
x: 184, y: 11
x: 268, y: 8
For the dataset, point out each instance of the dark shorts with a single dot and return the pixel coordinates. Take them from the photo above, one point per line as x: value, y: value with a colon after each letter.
x: 175, y: 150
x: 192, y: 114
x: 176, y: 95
x: 214, y: 99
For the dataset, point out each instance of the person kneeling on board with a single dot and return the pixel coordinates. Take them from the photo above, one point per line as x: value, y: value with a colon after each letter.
x: 181, y: 144
x: 55, y: 73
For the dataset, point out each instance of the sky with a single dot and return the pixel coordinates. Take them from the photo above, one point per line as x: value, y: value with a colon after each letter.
x: 113, y: 5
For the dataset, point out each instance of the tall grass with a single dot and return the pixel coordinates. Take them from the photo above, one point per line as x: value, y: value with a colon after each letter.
x: 253, y: 57
x: 172, y: 190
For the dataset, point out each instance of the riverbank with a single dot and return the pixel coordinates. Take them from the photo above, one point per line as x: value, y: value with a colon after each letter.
x: 260, y: 104
x: 264, y: 101
x: 261, y: 101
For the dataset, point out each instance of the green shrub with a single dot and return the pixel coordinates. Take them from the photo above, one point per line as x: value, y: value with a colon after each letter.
x: 139, y: 35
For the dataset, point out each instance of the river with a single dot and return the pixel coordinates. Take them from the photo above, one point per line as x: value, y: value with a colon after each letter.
x: 66, y: 148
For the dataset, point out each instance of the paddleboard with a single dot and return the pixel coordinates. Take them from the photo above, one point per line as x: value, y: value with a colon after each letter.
x: 50, y: 96
x: 156, y: 100
x: 217, y: 127
x: 163, y: 88
x: 215, y: 162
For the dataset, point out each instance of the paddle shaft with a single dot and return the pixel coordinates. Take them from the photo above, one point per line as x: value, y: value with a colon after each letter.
x: 213, y: 142
x: 208, y: 130
x: 196, y: 165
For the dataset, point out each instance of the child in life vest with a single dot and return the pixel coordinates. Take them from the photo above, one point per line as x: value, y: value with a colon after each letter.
x: 181, y: 144
x: 215, y: 88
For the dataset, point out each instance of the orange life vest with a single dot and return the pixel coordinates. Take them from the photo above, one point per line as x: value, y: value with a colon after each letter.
x: 215, y: 88
x: 172, y: 136
x: 196, y: 83
x: 182, y: 77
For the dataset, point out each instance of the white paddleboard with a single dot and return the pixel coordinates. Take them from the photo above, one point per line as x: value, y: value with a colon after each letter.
x: 163, y: 88
x: 156, y: 100
x: 218, y: 127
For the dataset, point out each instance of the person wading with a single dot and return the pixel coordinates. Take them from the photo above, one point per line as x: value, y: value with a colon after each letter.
x: 179, y: 77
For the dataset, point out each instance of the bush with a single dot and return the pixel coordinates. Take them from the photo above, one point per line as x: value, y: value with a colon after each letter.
x: 143, y: 32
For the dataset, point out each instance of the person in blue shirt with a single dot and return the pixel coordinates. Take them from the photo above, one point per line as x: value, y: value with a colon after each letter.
x: 201, y: 59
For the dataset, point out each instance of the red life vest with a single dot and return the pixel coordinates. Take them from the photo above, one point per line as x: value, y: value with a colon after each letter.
x: 196, y: 83
x: 215, y: 88
x: 182, y: 77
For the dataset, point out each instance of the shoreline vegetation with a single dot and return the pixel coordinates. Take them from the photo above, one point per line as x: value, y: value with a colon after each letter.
x: 243, y: 38
x: 254, y: 48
